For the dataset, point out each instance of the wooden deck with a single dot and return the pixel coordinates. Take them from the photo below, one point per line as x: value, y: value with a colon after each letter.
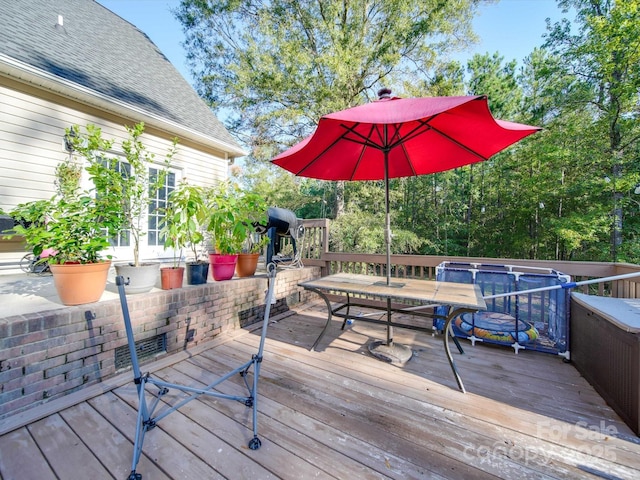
x: 339, y: 413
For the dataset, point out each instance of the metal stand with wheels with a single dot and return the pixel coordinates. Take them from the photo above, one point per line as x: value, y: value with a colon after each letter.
x: 146, y: 420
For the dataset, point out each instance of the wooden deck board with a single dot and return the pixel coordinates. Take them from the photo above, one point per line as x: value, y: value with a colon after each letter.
x: 354, y: 457
x: 20, y: 457
x: 365, y: 418
x: 106, y: 442
x: 292, y: 443
x: 481, y: 407
x: 495, y: 372
x: 232, y: 421
x: 339, y: 413
x: 451, y: 438
x: 168, y: 453
x: 68, y: 456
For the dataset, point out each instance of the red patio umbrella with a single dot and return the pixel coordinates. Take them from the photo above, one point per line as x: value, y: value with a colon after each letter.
x: 401, y: 137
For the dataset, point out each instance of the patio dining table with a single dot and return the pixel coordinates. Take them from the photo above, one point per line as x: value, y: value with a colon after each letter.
x: 415, y: 297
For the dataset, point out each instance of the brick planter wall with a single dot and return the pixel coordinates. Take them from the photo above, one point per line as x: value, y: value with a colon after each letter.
x: 49, y: 354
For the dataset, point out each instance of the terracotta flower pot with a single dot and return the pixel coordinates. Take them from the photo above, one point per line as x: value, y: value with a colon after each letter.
x: 78, y: 283
x: 247, y: 264
x: 171, y: 278
x: 222, y: 266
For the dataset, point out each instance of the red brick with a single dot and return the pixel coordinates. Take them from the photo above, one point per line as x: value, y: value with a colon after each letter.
x: 44, y: 365
x: 20, y: 403
x: 168, y: 329
x: 70, y: 329
x: 22, y: 360
x: 86, y: 373
x: 42, y: 385
x: 64, y: 349
x: 10, y: 395
x: 85, y: 352
x: 18, y: 327
x: 61, y: 369
x: 67, y: 386
x: 19, y: 383
x: 8, y: 375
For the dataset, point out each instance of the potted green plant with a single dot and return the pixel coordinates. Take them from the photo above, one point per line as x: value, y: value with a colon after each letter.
x: 252, y: 211
x: 247, y: 263
x: 173, y: 276
x: 135, y: 184
x: 225, y: 229
x: 231, y: 215
x: 75, y: 223
x: 182, y: 228
x: 139, y: 187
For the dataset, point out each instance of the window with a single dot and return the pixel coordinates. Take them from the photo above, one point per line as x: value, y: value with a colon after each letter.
x: 156, y: 206
x: 157, y: 202
x: 123, y: 238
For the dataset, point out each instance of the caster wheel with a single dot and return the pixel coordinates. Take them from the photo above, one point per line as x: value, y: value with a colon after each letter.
x: 255, y: 443
x: 27, y: 263
x: 134, y: 476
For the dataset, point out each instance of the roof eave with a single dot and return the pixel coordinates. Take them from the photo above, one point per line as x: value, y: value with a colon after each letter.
x: 25, y: 73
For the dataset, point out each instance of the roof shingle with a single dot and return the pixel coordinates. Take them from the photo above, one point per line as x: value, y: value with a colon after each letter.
x: 98, y: 50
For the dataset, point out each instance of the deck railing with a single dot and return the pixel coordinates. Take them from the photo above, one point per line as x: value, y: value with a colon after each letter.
x: 315, y: 251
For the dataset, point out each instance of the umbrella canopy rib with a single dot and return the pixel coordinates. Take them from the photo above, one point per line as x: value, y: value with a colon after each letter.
x: 463, y: 147
x: 318, y: 157
x: 364, y: 140
x: 387, y: 142
x: 357, y: 164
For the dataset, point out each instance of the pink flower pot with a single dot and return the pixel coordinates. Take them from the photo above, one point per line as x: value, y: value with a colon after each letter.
x: 222, y: 266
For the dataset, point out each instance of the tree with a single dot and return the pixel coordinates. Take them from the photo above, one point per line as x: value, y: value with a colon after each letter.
x: 275, y: 67
x: 491, y: 77
x: 603, y: 58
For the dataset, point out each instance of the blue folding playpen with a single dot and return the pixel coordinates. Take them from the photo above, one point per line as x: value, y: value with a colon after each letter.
x: 536, y: 321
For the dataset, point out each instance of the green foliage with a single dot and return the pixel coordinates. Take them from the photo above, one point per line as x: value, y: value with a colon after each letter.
x: 182, y: 223
x: 308, y: 198
x: 362, y: 232
x: 489, y: 76
x: 134, y: 185
x: 75, y: 222
x: 31, y: 221
x: 566, y: 193
x: 78, y: 224
x: 138, y: 186
x: 76, y: 228
x: 602, y: 56
x: 256, y: 246
x: 68, y: 176
x: 231, y: 214
x: 275, y: 67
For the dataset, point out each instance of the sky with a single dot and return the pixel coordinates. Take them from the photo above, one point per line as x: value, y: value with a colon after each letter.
x: 511, y: 27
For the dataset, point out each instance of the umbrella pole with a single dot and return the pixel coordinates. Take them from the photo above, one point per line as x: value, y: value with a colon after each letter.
x: 390, y: 351
x: 387, y: 226
x: 387, y: 237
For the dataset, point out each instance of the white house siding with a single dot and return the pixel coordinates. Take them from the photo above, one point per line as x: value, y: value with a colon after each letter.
x: 30, y: 147
x: 32, y: 125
